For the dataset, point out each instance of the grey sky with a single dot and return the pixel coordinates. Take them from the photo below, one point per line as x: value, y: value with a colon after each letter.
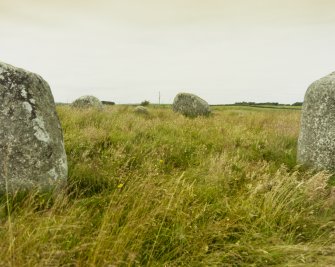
x: 126, y: 51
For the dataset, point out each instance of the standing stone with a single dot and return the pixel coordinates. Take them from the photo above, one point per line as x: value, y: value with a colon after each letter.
x: 141, y: 110
x: 190, y: 105
x: 32, y: 150
x: 316, y: 146
x: 87, y: 101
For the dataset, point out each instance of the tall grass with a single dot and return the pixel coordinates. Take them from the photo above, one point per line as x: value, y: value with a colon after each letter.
x: 165, y: 190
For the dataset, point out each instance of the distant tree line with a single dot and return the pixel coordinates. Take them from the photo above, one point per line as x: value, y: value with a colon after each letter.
x: 297, y: 104
x: 266, y: 104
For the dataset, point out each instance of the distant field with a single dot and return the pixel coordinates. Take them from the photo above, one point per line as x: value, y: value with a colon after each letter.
x: 165, y: 190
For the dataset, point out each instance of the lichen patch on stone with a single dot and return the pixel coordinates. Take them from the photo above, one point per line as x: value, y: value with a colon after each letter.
x: 23, y: 93
x: 27, y: 107
x: 40, y: 131
x: 53, y: 174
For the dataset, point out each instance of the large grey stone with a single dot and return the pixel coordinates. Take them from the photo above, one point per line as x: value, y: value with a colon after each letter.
x: 141, y: 110
x: 190, y: 105
x: 32, y: 151
x: 87, y: 101
x: 316, y: 145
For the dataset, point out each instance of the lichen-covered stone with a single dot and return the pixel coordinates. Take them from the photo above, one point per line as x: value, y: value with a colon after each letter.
x: 87, y: 101
x: 141, y: 110
x: 190, y: 105
x: 316, y: 145
x: 32, y: 151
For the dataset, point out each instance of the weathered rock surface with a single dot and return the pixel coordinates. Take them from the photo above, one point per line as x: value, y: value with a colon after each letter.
x: 316, y: 145
x: 87, y: 101
x: 31, y: 140
x: 190, y: 105
x: 141, y: 110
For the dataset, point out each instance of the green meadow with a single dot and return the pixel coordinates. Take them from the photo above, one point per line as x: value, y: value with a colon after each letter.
x: 165, y: 190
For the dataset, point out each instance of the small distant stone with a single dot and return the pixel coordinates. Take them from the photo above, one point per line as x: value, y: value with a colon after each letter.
x: 316, y: 145
x: 108, y: 103
x: 87, y: 101
x: 141, y: 110
x: 32, y: 150
x: 190, y: 105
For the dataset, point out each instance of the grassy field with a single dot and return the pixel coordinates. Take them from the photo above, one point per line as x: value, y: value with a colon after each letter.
x: 165, y: 190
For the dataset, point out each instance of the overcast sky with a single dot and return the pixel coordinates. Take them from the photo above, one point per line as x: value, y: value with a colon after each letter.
x: 128, y: 50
